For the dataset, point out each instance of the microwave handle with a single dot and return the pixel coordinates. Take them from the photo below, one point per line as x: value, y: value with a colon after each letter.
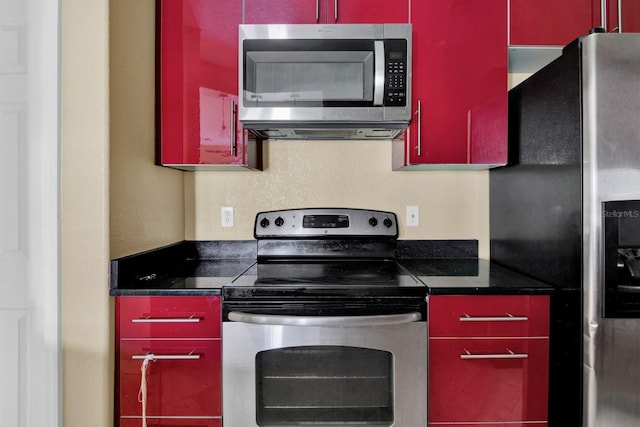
x: 379, y: 77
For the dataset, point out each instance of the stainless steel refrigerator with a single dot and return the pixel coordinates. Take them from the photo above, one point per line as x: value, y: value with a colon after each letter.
x: 566, y: 210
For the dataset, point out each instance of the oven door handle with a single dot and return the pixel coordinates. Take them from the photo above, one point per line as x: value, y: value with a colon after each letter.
x: 336, y: 321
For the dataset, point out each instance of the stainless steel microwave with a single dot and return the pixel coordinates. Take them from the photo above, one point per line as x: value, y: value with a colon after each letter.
x: 346, y: 81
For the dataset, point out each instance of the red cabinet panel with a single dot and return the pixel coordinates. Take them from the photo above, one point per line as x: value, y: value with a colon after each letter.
x: 551, y: 22
x: 184, y: 381
x: 326, y: 11
x: 488, y: 360
x: 283, y: 11
x: 489, y: 316
x: 488, y: 380
x: 159, y: 422
x: 459, y: 79
x: 199, y: 85
x: 508, y: 424
x: 368, y: 11
x: 625, y: 19
x: 182, y: 386
x: 168, y: 317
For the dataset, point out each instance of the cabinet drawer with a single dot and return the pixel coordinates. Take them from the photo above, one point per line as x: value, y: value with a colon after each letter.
x: 508, y: 424
x: 171, y: 422
x: 185, y: 380
x: 168, y: 317
x: 488, y: 380
x: 489, y: 316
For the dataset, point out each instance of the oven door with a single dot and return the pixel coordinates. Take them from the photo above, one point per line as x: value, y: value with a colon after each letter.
x: 324, y: 371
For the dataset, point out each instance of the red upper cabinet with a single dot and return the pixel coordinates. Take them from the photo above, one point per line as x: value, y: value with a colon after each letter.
x: 367, y: 11
x: 326, y: 11
x: 553, y: 23
x: 550, y: 22
x: 283, y: 11
x: 459, y: 79
x: 622, y: 16
x: 198, y: 86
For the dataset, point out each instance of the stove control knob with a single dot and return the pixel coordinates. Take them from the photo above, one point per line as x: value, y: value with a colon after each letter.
x: 373, y: 221
x: 279, y: 221
x: 264, y: 223
x: 387, y: 222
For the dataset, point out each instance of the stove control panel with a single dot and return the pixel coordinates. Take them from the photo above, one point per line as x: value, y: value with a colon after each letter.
x: 325, y: 222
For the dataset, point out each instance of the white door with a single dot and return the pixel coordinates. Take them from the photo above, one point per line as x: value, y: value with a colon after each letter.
x: 29, y: 187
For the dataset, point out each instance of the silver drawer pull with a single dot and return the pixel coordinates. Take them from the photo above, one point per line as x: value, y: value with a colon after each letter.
x: 509, y: 355
x: 151, y: 356
x: 507, y: 318
x: 191, y: 319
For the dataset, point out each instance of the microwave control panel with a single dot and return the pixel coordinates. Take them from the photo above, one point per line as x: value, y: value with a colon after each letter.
x: 395, y: 93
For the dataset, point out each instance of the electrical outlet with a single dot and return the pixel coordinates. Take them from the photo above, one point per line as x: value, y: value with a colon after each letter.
x: 226, y: 216
x: 413, y: 216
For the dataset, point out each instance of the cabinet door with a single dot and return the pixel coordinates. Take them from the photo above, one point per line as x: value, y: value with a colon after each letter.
x: 168, y: 317
x: 326, y: 11
x: 507, y: 424
x: 489, y: 316
x: 551, y: 22
x: 488, y: 380
x: 623, y: 16
x: 171, y: 422
x: 367, y: 11
x: 459, y: 83
x: 184, y: 381
x: 284, y: 11
x: 199, y: 84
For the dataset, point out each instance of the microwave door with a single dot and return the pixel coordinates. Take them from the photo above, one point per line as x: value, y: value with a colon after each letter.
x: 302, y: 73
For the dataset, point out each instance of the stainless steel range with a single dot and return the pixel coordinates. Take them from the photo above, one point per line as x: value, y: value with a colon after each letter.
x: 326, y: 329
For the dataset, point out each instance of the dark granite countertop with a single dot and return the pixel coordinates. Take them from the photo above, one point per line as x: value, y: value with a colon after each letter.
x: 446, y: 267
x: 472, y: 277
x: 185, y: 268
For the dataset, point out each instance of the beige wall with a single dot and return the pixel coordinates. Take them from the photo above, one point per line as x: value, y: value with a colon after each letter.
x: 147, y: 201
x: 87, y: 357
x: 453, y: 205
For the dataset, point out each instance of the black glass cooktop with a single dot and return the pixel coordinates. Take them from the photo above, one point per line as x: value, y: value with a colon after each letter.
x: 325, y: 287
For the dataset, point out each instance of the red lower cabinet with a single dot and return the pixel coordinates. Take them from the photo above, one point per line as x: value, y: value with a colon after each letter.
x: 488, y: 360
x: 487, y: 381
x: 168, y: 361
x: 160, y: 422
x: 183, y: 381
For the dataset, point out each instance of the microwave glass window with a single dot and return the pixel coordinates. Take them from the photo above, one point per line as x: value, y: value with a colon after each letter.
x: 293, y: 77
x: 321, y: 385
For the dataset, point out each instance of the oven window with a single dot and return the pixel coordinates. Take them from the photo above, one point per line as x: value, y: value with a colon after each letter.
x: 322, y: 385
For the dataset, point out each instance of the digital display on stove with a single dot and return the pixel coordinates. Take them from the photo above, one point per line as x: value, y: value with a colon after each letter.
x: 325, y: 221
